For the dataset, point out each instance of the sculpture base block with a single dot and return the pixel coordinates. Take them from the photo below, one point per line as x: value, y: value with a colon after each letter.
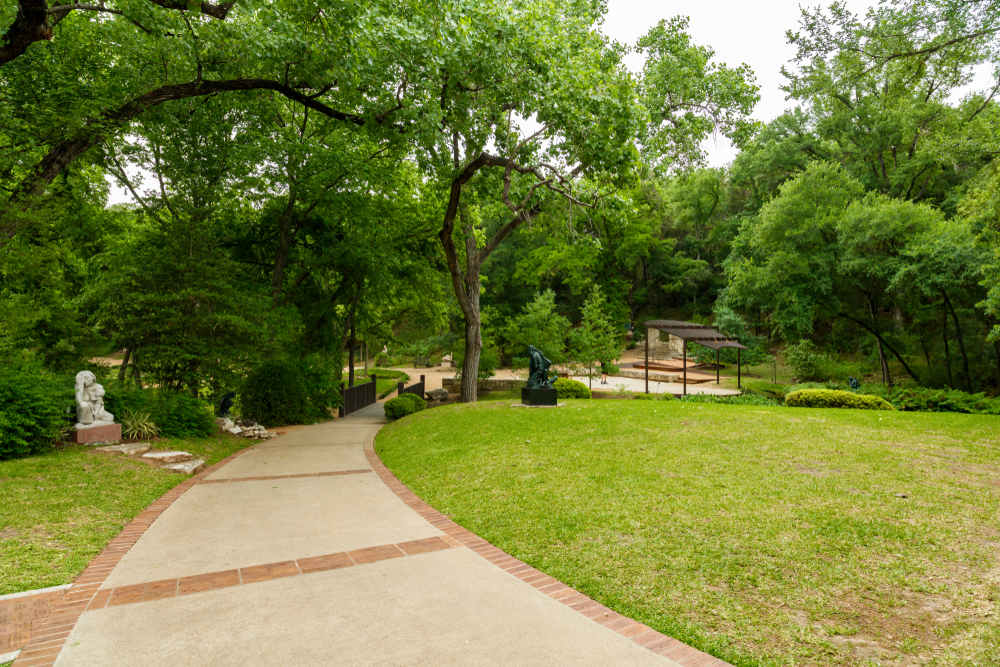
x: 95, y: 434
x: 541, y: 396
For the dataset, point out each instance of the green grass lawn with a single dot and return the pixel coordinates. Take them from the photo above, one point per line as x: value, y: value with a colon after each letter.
x: 765, y: 536
x: 58, y: 510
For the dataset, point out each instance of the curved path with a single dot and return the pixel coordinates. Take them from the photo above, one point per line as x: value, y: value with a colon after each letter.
x: 306, y: 550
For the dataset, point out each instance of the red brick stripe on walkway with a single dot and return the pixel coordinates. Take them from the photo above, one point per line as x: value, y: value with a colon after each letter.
x: 334, y: 473
x: 46, y: 638
x: 641, y: 634
x: 157, y: 590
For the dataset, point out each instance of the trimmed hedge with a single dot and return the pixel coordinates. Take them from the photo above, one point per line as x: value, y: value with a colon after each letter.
x: 831, y: 398
x: 407, y: 404
x: 566, y: 388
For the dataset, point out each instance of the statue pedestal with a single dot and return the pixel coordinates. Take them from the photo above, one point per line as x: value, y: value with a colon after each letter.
x: 94, y: 434
x: 541, y: 396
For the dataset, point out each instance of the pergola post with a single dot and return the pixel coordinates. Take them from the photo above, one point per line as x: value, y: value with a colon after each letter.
x: 739, y: 379
x: 684, y: 344
x: 717, y: 367
x: 647, y: 360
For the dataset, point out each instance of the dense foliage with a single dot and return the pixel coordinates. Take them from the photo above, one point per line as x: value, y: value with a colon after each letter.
x: 33, y: 406
x: 175, y: 414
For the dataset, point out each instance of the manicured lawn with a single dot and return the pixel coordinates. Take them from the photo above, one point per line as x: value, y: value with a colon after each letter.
x: 765, y: 536
x: 59, y: 510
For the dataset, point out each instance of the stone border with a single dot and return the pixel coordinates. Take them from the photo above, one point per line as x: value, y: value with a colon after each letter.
x: 48, y: 637
x: 37, y: 591
x: 639, y: 633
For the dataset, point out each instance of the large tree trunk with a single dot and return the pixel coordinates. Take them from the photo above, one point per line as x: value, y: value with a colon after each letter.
x: 124, y: 366
x: 473, y: 339
x: 350, y: 358
x: 961, y: 343
x: 286, y: 235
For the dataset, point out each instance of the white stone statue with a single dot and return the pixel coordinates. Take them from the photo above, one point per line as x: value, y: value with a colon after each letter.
x: 90, y: 402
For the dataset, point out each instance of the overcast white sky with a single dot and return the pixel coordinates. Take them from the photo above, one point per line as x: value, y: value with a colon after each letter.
x: 738, y: 30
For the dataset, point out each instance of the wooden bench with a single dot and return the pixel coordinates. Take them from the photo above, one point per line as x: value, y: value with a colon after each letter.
x: 421, y: 362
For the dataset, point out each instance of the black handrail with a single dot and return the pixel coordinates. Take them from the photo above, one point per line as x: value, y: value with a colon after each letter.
x: 358, y: 397
x: 416, y: 388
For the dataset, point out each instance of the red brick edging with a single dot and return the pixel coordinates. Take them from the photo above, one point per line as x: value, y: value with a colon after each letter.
x: 48, y: 637
x: 639, y: 633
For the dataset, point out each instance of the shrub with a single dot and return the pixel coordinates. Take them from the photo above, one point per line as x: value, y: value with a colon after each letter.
x: 749, y: 398
x: 138, y: 425
x: 643, y: 397
x: 32, y: 407
x: 831, y: 398
x: 806, y: 360
x: 322, y: 385
x: 176, y: 414
x: 943, y: 400
x: 566, y: 388
x: 396, y: 408
x: 275, y: 393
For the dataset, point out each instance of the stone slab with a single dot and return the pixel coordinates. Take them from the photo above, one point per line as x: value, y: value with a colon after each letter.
x: 96, y: 434
x: 130, y: 448
x: 167, y: 457
x: 185, y: 467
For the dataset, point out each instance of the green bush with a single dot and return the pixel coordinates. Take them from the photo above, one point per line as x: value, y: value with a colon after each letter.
x: 806, y: 361
x: 643, y: 397
x: 322, y: 385
x: 176, y: 414
x: 396, y: 408
x: 943, y: 400
x: 33, y: 406
x: 275, y: 393
x: 831, y: 398
x: 749, y: 398
x: 566, y: 388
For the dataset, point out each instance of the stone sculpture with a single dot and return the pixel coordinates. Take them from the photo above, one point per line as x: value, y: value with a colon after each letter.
x: 90, y: 410
x: 538, y: 370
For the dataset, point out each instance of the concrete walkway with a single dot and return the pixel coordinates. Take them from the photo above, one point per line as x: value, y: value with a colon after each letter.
x: 305, y: 551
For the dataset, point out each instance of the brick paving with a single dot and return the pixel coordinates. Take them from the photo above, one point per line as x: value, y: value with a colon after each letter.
x: 52, y: 617
x: 47, y: 634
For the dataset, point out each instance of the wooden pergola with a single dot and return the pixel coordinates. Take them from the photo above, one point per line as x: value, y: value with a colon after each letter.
x: 698, y: 333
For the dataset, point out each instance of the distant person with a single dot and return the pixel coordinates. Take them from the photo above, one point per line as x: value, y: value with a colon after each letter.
x: 604, y: 372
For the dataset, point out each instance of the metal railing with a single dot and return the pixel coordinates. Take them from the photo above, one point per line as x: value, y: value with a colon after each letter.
x: 358, y: 397
x: 416, y: 388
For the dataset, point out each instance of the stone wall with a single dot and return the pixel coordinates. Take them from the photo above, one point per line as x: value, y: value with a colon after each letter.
x: 455, y: 386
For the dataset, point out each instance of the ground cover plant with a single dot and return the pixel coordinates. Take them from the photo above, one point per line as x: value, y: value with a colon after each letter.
x: 763, y: 535
x: 58, y: 510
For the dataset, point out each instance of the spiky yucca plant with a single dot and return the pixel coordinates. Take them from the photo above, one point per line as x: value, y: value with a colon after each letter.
x: 138, y: 425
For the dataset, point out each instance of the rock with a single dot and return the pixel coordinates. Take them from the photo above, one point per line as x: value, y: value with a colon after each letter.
x: 236, y: 430
x: 224, y: 424
x: 167, y: 457
x: 186, y: 467
x: 433, y: 404
x: 900, y: 495
x: 130, y: 449
x: 437, y: 394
